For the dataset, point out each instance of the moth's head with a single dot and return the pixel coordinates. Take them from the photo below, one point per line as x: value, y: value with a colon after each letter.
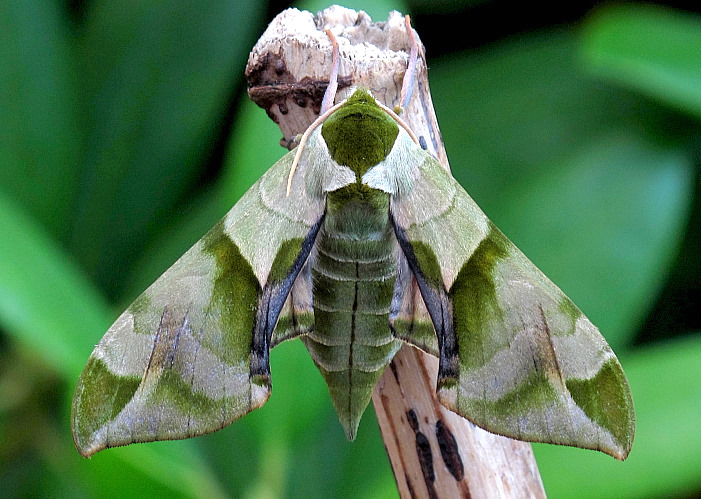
x: 360, y: 134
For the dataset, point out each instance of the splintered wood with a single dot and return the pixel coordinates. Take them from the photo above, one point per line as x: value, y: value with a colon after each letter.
x: 433, y: 451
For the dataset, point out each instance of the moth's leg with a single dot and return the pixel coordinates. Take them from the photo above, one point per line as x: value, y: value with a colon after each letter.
x: 331, y: 89
x: 410, y: 75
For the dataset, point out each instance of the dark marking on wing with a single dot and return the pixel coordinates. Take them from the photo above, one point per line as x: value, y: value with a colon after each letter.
x: 545, y: 341
x: 270, y: 304
x: 439, y: 308
x: 165, y: 342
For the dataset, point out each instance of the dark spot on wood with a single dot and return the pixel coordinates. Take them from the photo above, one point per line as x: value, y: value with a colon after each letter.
x: 423, y: 450
x: 282, y: 106
x: 410, y: 487
x: 413, y: 420
x: 271, y: 84
x: 269, y: 70
x: 424, y: 454
x: 272, y: 115
x: 394, y: 371
x: 449, y: 450
x: 280, y: 67
x: 434, y: 133
x: 422, y: 143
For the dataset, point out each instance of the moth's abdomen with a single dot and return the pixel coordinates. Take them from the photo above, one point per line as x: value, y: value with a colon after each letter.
x: 351, y: 342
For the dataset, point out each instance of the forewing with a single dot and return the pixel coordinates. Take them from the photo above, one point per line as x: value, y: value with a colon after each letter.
x: 517, y: 357
x: 409, y: 318
x: 190, y: 355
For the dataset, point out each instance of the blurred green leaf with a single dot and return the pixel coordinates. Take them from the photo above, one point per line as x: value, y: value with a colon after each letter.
x: 247, y: 158
x: 158, y: 79
x: 651, y: 49
x: 576, y: 174
x: 175, y: 469
x: 605, y: 225
x: 50, y: 307
x: 40, y: 139
x: 666, y: 452
x: 46, y: 302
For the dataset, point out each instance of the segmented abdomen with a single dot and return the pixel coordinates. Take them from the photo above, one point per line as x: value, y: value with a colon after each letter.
x: 351, y: 343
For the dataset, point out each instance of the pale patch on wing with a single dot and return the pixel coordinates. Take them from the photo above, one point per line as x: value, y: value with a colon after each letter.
x: 523, y: 291
x: 144, y: 418
x: 535, y: 331
x: 259, y: 232
x: 123, y: 351
x: 126, y: 346
x: 214, y: 378
x: 581, y: 355
x: 454, y: 234
x: 564, y: 422
x: 510, y: 366
x: 266, y: 216
x: 397, y: 173
x: 189, y: 281
x: 185, y: 389
x: 318, y: 171
x: 561, y: 422
x: 430, y: 205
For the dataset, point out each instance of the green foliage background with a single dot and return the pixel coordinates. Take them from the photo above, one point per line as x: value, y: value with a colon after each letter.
x: 125, y: 133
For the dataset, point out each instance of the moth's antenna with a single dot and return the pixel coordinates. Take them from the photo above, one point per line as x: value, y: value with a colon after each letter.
x: 399, y: 121
x: 304, y: 138
x: 330, y: 93
x: 327, y: 106
x: 410, y: 75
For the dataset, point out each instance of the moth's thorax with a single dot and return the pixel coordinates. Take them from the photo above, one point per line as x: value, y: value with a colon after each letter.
x: 360, y: 134
x: 356, y: 210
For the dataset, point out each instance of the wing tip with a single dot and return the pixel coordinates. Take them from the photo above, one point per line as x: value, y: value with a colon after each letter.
x: 447, y: 394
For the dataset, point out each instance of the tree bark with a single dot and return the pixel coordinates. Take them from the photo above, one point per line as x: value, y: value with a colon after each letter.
x: 433, y: 451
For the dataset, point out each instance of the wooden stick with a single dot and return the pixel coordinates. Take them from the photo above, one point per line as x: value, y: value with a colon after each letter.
x: 433, y: 451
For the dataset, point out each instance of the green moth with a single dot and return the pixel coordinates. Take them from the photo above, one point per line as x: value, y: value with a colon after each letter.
x: 357, y: 242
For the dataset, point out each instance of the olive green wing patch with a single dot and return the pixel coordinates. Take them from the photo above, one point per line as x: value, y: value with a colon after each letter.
x: 190, y: 355
x: 532, y: 366
x: 517, y: 357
